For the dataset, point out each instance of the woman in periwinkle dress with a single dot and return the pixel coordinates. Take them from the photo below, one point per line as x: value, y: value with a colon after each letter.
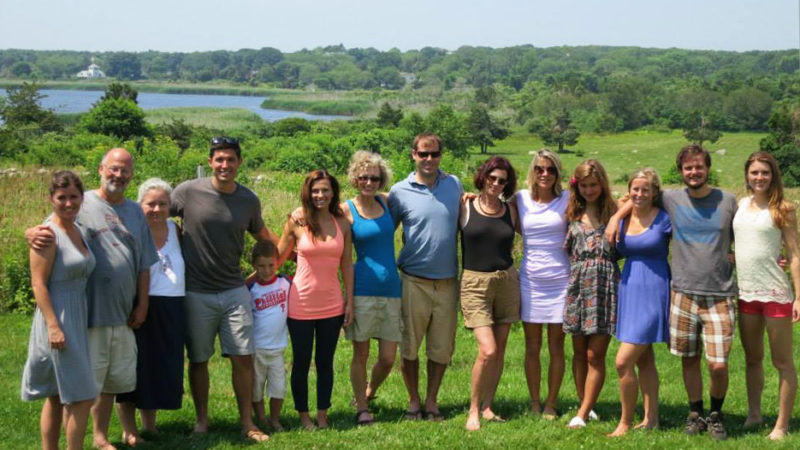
x: 58, y: 368
x: 543, y: 275
x: 642, y: 299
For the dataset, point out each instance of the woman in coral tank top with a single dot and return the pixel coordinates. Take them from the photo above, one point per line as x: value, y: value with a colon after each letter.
x: 317, y: 307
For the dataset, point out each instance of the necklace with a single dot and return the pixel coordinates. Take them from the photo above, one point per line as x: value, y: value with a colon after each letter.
x: 484, y: 205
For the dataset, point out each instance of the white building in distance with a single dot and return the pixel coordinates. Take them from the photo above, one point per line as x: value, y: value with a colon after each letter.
x: 93, y: 71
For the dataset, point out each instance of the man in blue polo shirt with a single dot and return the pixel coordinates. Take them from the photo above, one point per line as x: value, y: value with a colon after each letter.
x: 427, y: 204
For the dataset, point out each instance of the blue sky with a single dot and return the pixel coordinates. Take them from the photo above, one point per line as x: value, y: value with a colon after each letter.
x: 183, y: 25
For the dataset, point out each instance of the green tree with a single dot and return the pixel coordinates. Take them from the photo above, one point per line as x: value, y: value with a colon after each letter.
x: 748, y: 108
x: 120, y: 90
x: 388, y: 116
x: 124, y: 66
x: 483, y: 128
x: 21, y: 108
x: 557, y: 130
x: 451, y: 128
x: 116, y: 117
x: 178, y: 131
x: 698, y: 129
x: 290, y: 126
x: 783, y: 142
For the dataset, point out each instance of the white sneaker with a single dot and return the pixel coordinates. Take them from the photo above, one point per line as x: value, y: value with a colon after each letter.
x: 593, y: 415
x: 576, y: 422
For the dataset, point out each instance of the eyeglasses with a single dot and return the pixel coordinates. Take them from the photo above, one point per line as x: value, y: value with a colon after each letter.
x: 496, y: 180
x: 224, y: 140
x: 365, y: 178
x: 425, y: 155
x: 545, y: 170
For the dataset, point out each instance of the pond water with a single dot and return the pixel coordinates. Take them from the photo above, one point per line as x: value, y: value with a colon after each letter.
x: 71, y: 101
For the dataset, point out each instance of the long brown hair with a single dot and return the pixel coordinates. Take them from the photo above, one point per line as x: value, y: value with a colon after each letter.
x: 309, y: 211
x: 577, y: 204
x: 778, y: 208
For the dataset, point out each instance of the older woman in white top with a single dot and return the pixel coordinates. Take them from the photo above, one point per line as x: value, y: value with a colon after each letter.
x: 764, y: 223
x: 160, y: 340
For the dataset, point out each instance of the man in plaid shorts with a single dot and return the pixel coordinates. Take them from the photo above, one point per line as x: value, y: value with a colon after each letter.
x: 703, y: 284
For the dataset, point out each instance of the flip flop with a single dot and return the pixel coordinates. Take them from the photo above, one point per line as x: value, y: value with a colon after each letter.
x: 434, y: 416
x: 576, y: 422
x: 256, y: 436
x: 414, y: 415
x: 362, y: 422
x: 495, y: 418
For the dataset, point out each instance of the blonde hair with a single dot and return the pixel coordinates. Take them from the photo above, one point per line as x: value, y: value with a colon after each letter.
x: 649, y: 174
x: 364, y: 159
x: 577, y: 204
x: 544, y: 153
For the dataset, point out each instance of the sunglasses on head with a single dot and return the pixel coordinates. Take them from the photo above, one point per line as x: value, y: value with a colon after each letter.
x: 493, y: 179
x: 224, y: 140
x: 425, y: 155
x: 542, y: 170
x: 365, y: 178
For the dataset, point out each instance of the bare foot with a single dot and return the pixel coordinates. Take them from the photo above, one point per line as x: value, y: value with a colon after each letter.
x: 200, y: 428
x: 646, y: 425
x: 473, y: 422
x: 753, y: 421
x: 322, y: 420
x: 276, y: 426
x: 132, y: 440
x: 103, y: 445
x: 549, y: 413
x: 149, y: 430
x: 306, y: 423
x: 777, y: 434
x: 490, y: 416
x: 622, y: 428
x: 536, y: 409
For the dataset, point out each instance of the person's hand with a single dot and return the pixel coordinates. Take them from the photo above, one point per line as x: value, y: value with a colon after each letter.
x: 796, y: 310
x: 56, y: 337
x: 137, y: 317
x: 39, y: 237
x: 348, y: 313
x: 612, y: 231
x: 298, y: 217
x: 782, y: 262
x: 467, y: 197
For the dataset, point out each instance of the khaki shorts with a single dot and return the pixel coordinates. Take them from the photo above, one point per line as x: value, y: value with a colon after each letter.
x: 227, y: 313
x: 430, y: 309
x: 489, y: 298
x: 712, y: 317
x: 112, y: 350
x: 376, y: 317
x: 269, y: 370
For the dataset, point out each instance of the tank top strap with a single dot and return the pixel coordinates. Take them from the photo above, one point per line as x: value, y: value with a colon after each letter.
x: 353, y: 211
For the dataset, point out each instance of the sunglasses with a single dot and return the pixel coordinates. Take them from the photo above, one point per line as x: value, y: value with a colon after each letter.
x: 365, y: 178
x: 224, y: 140
x: 542, y: 170
x: 425, y: 155
x: 496, y: 180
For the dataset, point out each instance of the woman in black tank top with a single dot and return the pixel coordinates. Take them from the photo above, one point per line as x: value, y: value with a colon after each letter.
x: 489, y: 283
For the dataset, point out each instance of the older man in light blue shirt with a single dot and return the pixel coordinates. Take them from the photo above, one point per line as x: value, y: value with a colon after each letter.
x: 427, y: 204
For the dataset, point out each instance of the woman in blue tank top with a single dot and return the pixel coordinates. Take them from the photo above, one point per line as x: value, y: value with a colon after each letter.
x: 377, y: 284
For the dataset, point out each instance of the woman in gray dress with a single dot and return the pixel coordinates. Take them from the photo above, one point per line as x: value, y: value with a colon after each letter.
x: 58, y: 367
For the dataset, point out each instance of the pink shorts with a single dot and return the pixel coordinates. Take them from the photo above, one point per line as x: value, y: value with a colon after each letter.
x: 774, y: 310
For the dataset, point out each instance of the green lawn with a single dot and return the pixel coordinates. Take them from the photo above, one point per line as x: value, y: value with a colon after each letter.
x: 623, y: 153
x: 19, y: 420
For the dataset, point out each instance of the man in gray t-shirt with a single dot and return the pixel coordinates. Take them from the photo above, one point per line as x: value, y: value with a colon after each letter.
x: 118, y: 288
x: 216, y: 213
x: 703, y: 285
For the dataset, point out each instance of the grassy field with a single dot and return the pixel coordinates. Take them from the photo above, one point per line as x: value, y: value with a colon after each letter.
x: 216, y: 118
x: 23, y: 202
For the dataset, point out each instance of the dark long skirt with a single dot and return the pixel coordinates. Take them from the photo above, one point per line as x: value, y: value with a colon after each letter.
x: 159, y: 369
